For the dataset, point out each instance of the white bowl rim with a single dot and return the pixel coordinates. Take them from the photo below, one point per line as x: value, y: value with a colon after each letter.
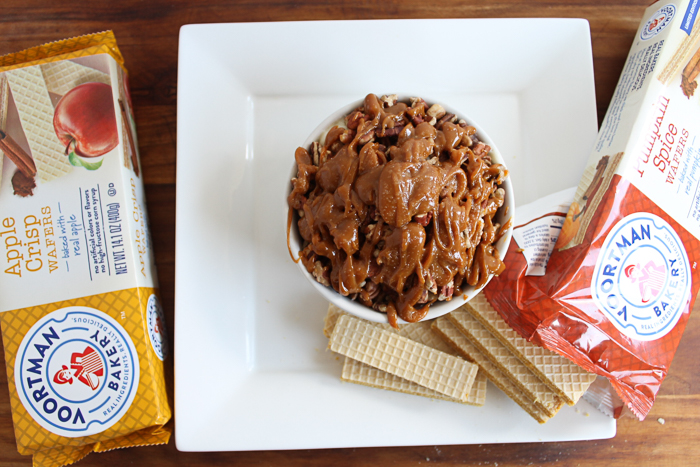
x: 437, y: 309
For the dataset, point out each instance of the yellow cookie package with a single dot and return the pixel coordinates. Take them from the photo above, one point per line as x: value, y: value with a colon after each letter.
x: 82, y: 325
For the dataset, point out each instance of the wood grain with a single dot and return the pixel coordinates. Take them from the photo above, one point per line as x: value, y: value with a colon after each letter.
x: 147, y: 32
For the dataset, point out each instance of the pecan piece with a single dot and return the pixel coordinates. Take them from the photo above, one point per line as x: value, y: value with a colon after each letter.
x: 347, y: 136
x: 480, y: 149
x: 416, y: 119
x: 353, y: 120
x: 366, y: 138
x: 430, y: 284
x: 322, y: 273
x: 445, y: 118
x: 446, y: 292
x: 436, y: 111
x: 423, y: 297
x: 315, y: 152
x: 393, y: 131
x: 389, y: 100
x: 423, y: 219
x: 372, y: 290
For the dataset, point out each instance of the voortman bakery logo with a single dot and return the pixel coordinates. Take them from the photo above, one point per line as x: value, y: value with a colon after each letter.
x: 76, y: 371
x: 156, y: 327
x: 658, y: 21
x: 641, y: 280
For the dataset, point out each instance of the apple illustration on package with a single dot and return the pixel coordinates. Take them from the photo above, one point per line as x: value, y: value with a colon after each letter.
x: 85, y: 122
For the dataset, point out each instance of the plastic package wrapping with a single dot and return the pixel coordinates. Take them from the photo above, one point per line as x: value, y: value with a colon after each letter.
x: 623, y: 276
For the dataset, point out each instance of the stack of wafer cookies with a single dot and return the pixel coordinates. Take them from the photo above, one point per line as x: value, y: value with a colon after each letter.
x: 424, y: 359
x: 538, y: 380
x: 568, y: 380
x: 412, y: 360
x: 32, y: 89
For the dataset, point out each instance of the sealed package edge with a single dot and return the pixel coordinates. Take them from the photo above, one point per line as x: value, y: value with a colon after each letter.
x: 623, y: 276
x: 82, y: 325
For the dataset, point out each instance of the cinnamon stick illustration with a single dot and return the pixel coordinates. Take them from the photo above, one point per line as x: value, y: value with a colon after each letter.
x: 689, y: 75
x: 132, y: 146
x: 22, y: 160
x: 595, y: 184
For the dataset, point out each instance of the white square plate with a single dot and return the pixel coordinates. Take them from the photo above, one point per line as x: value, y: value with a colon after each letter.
x: 251, y: 369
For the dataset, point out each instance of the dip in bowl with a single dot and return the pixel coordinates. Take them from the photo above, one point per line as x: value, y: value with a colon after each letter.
x: 399, y: 209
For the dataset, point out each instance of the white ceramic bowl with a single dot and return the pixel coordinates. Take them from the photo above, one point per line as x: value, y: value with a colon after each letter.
x: 437, y: 309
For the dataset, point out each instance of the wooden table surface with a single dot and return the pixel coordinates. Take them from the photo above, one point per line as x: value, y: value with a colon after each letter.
x: 147, y: 33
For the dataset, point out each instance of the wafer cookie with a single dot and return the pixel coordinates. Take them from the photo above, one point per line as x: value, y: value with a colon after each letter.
x: 564, y: 377
x: 36, y: 114
x: 679, y: 59
x: 420, y: 332
x: 592, y: 204
x: 61, y: 77
x: 360, y: 373
x: 454, y: 337
x: 388, y: 351
x: 508, y: 363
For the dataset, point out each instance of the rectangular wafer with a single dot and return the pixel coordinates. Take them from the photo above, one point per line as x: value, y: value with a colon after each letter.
x: 359, y: 373
x: 388, y: 351
x: 458, y: 341
x: 564, y: 377
x: 61, y: 77
x: 678, y: 60
x: 36, y: 114
x: 592, y: 204
x: 526, y: 380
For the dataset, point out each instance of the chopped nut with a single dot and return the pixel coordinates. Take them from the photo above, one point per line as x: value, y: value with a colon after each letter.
x: 430, y: 284
x: 316, y: 152
x: 446, y: 292
x: 372, y: 290
x: 393, y: 131
x: 347, y: 136
x: 423, y: 219
x: 353, y: 120
x: 424, y: 297
x: 480, y: 149
x: 416, y: 119
x: 366, y: 138
x: 445, y: 118
x: 437, y: 111
x: 389, y: 100
x: 301, y: 213
x: 433, y: 121
x: 320, y: 274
